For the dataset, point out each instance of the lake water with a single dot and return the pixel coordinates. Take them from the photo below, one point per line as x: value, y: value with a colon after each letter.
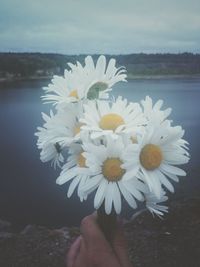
x: 28, y: 192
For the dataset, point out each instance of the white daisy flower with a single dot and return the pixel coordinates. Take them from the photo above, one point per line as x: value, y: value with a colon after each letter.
x: 64, y: 127
x: 153, y: 113
x: 153, y: 203
x: 88, y: 82
x: 103, y: 118
x: 69, y: 127
x: 76, y: 170
x: 64, y: 90
x: 111, y: 178
x: 50, y: 150
x: 156, y: 152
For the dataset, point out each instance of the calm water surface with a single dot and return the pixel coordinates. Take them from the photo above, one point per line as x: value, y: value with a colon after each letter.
x: 28, y: 193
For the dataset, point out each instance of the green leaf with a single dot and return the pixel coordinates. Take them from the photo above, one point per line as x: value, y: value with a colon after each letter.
x: 93, y: 92
x: 58, y: 147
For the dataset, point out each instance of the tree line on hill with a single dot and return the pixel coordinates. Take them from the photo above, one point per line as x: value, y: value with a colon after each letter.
x: 24, y: 65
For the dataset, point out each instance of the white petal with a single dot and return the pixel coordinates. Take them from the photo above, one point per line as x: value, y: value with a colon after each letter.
x: 165, y: 182
x: 109, y: 198
x: 131, y: 174
x: 72, y: 186
x: 90, y: 63
x: 101, y: 64
x: 153, y: 181
x: 117, y: 199
x: 131, y: 201
x: 92, y: 183
x: 129, y: 185
x: 173, y: 169
x: 110, y: 68
x: 66, y: 176
x: 100, y: 194
x: 170, y: 175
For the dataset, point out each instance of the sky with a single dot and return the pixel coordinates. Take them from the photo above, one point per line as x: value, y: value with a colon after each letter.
x: 100, y: 26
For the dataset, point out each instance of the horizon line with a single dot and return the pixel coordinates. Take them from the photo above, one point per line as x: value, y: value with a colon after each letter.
x: 106, y: 54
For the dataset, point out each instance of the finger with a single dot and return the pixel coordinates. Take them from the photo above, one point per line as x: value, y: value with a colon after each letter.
x: 120, y: 245
x: 82, y: 257
x: 92, y: 234
x: 73, y: 252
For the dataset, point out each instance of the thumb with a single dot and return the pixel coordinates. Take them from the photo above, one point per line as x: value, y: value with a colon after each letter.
x: 73, y: 252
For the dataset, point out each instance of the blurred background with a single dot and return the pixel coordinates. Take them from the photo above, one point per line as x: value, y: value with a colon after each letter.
x: 157, y: 41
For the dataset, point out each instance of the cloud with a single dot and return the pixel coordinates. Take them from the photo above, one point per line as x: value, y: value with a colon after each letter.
x: 114, y: 26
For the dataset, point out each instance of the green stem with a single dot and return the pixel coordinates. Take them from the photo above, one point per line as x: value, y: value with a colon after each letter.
x: 107, y: 222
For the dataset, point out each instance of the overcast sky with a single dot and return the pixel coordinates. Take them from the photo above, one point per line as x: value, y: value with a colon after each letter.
x: 100, y: 26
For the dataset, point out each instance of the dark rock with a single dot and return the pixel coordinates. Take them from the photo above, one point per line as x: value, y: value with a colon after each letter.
x: 171, y: 242
x: 31, y: 229
x: 34, y: 247
x: 5, y: 235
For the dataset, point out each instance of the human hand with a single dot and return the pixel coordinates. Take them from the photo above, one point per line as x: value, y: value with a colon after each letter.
x: 91, y: 249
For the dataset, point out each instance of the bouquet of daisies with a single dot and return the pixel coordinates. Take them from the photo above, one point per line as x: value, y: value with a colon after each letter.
x: 114, y: 148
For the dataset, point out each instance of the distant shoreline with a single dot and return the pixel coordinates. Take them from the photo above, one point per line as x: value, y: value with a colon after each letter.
x: 161, y: 77
x: 130, y: 77
x: 16, y: 67
x: 19, y: 79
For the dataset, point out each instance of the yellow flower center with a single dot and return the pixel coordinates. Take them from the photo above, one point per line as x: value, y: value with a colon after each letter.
x: 74, y: 94
x: 81, y: 160
x: 112, y: 170
x: 77, y: 128
x: 111, y: 121
x: 150, y: 157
